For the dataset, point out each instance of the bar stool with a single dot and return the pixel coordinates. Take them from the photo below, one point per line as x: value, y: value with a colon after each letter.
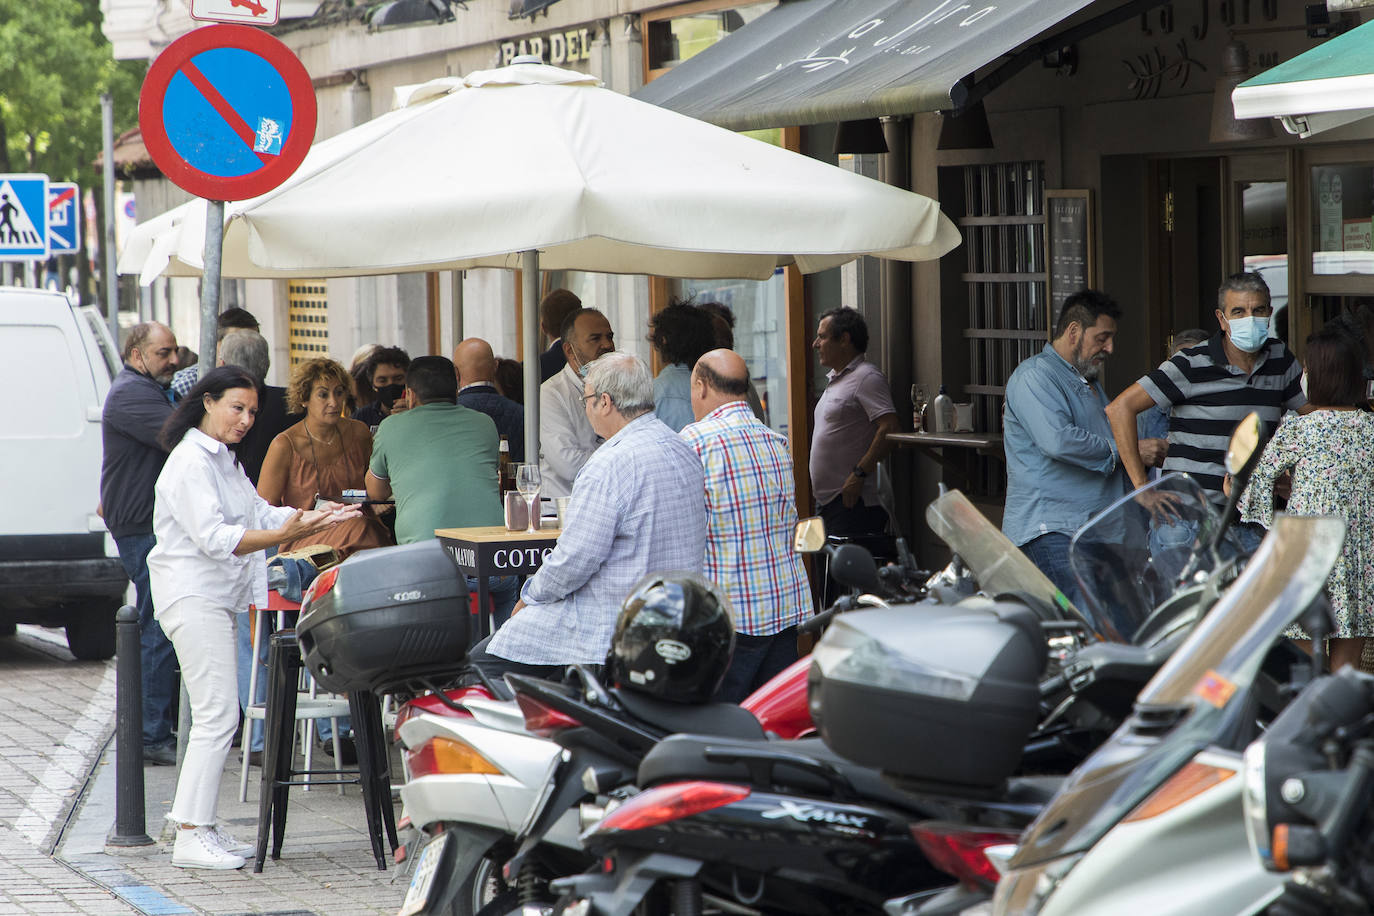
x: 309, y: 705
x: 279, y: 774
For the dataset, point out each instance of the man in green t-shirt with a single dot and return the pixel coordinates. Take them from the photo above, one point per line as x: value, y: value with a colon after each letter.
x: 441, y: 463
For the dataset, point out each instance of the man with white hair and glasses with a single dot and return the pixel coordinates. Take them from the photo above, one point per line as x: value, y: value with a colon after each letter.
x: 637, y: 506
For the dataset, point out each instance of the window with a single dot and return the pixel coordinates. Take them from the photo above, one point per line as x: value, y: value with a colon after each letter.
x: 307, y: 319
x: 678, y: 33
x: 1341, y: 210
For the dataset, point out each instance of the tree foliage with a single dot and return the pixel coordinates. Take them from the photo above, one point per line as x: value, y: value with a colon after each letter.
x: 54, y: 65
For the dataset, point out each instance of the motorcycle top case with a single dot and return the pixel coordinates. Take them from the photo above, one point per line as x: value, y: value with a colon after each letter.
x: 390, y: 613
x: 939, y: 694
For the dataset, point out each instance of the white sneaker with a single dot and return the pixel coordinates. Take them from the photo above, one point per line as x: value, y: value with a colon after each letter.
x: 196, y: 848
x: 230, y: 843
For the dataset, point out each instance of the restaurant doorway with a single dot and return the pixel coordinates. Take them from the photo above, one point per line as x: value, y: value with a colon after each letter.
x: 1187, y: 247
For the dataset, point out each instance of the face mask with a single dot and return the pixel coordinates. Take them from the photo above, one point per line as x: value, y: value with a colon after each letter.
x: 1250, y: 333
x: 582, y: 370
x: 387, y: 394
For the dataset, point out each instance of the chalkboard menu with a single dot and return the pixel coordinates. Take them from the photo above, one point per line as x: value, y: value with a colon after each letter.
x: 1069, y: 238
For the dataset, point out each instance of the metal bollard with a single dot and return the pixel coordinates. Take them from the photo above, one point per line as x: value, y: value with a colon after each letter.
x: 130, y: 827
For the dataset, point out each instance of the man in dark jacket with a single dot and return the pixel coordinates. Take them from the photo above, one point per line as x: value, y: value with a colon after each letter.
x: 553, y: 311
x: 476, y: 367
x: 135, y: 409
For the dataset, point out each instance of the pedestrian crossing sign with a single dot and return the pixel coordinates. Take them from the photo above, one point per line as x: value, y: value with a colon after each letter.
x: 23, y: 217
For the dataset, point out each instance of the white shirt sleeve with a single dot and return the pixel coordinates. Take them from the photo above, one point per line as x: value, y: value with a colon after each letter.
x: 566, y: 437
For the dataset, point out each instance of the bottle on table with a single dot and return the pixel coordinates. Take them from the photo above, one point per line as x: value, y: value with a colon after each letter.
x: 943, y: 410
x: 507, y: 474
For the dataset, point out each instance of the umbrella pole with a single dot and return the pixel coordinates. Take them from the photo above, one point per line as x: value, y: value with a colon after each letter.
x: 210, y: 282
x: 529, y: 290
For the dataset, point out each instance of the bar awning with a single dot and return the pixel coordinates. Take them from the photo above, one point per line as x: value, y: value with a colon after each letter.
x: 813, y: 61
x: 1330, y: 85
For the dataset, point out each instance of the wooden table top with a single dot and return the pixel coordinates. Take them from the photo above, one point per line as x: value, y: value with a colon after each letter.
x: 495, y: 534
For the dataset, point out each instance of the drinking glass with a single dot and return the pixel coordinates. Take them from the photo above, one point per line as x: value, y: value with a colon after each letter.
x: 527, y: 481
x: 919, y: 398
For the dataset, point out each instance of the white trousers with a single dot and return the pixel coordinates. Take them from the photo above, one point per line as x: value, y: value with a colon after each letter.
x: 203, y: 634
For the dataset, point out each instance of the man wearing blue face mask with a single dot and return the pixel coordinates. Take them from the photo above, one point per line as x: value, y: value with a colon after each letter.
x: 566, y: 437
x: 1211, y: 387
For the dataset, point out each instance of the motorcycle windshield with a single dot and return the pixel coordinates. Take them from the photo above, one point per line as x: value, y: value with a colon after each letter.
x: 998, y: 566
x: 1129, y: 559
x: 1197, y: 697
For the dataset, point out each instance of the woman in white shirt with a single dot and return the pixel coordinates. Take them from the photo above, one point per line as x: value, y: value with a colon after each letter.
x: 207, y: 566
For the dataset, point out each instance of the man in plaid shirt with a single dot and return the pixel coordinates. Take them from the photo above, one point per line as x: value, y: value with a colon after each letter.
x: 636, y: 509
x: 751, y: 513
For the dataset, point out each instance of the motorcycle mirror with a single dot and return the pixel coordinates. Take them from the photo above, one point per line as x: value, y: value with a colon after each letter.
x: 1242, y: 454
x: 1244, y: 445
x: 853, y: 567
x: 809, y: 535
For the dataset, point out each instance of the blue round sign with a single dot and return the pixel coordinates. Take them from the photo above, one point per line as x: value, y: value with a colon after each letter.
x: 227, y: 112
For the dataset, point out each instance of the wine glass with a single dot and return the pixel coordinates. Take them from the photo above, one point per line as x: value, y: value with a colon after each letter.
x: 919, y: 398
x: 527, y: 481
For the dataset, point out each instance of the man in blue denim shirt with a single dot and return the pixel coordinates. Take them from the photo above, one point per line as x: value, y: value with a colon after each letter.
x: 1062, y: 463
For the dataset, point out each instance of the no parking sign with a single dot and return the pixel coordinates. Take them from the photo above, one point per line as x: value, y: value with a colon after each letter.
x: 227, y: 112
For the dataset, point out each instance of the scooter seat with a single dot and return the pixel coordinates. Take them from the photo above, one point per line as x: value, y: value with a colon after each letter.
x: 724, y: 719
x: 683, y: 757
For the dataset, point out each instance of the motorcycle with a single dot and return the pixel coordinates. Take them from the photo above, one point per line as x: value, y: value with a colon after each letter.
x: 491, y: 814
x: 651, y: 845
x: 1307, y: 787
x: 1152, y: 821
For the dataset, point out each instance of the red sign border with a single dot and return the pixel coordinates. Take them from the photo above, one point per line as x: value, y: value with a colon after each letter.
x: 216, y: 187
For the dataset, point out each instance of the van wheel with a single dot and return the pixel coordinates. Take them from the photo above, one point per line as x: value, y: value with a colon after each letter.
x: 92, y: 638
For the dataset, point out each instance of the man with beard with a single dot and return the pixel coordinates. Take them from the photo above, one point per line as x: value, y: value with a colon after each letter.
x: 1062, y: 465
x: 135, y: 409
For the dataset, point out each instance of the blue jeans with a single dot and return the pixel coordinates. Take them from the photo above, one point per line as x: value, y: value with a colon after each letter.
x: 155, y: 649
x: 1050, y: 554
x: 504, y: 591
x: 757, y: 660
x: 243, y: 624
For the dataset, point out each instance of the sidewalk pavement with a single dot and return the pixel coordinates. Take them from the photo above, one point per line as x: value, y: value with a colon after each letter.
x: 57, y: 786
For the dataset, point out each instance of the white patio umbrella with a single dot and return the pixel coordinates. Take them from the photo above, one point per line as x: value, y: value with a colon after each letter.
x: 532, y: 166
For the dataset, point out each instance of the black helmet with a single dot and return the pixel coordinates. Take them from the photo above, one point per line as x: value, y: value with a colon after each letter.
x: 674, y: 638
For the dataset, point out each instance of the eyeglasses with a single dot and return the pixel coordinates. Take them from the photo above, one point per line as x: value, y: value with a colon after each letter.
x: 588, y: 397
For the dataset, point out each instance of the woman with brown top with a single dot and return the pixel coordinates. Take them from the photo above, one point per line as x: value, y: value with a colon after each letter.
x: 323, y: 455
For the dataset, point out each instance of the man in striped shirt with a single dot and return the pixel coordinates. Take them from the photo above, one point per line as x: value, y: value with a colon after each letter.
x: 1209, y: 388
x: 751, y: 512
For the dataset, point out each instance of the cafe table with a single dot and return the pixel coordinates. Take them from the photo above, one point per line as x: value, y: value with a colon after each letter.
x: 493, y: 550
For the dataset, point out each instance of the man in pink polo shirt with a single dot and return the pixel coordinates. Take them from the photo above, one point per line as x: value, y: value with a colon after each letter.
x: 853, y: 419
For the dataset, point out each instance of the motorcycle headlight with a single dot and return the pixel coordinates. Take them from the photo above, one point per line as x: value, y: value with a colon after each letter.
x: 1254, y: 803
x: 1023, y: 891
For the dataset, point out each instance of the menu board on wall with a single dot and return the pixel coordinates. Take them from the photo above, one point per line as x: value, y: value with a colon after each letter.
x: 1070, y: 265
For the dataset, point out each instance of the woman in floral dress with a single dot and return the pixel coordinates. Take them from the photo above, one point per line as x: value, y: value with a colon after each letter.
x: 1331, y: 454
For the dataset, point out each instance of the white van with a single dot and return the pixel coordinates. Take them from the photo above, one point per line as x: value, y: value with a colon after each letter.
x: 58, y: 565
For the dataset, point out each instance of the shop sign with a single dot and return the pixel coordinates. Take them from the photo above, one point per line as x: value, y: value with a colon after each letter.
x: 570, y: 46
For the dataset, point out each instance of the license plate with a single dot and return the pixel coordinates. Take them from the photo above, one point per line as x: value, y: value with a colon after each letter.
x: 426, y: 869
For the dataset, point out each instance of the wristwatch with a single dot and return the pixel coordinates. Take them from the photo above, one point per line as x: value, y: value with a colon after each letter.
x: 859, y: 472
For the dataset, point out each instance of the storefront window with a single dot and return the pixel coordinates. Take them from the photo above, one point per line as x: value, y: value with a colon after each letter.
x: 1264, y: 235
x: 674, y: 38
x: 1342, y: 206
x: 760, y: 308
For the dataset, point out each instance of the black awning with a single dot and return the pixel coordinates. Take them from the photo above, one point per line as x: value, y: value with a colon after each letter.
x: 813, y: 61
